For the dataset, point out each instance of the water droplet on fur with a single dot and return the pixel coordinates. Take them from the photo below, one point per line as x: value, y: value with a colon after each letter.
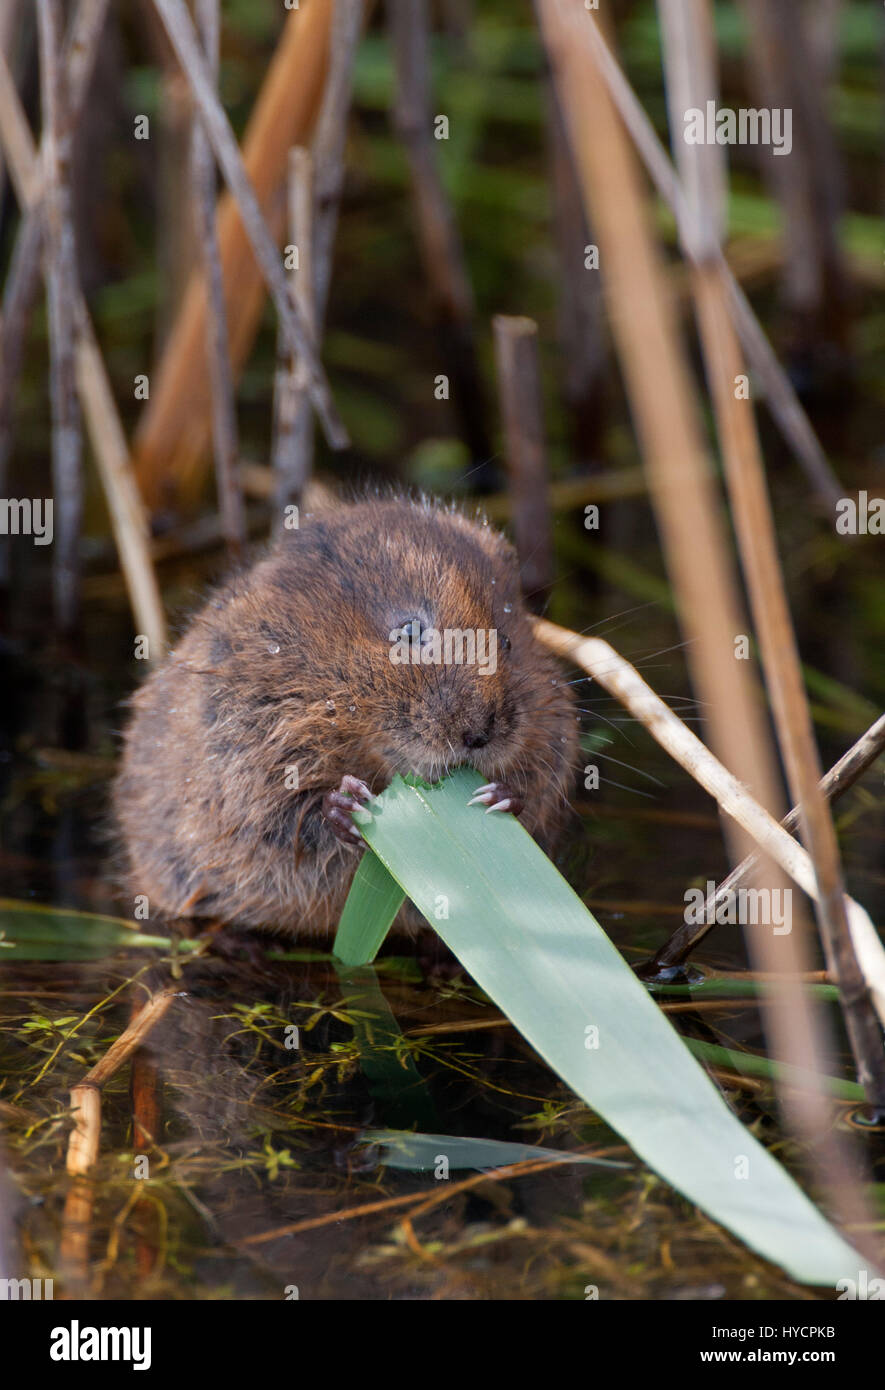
x: 351, y: 709
x: 273, y: 648
x: 330, y: 706
x: 554, y: 681
x: 508, y: 607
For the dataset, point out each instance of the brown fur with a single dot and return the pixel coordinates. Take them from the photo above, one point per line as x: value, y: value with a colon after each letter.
x: 288, y: 665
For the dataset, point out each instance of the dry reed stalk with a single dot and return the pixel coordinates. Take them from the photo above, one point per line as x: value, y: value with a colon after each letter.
x: 61, y: 286
x: 76, y: 1235
x: 76, y: 1222
x: 174, y: 430
x: 23, y: 277
x: 823, y: 36
x: 85, y: 1137
x: 144, y: 1090
x: 183, y: 38
x: 579, y: 308
x: 106, y: 432
x: 133, y: 1036
x: 330, y: 141
x: 440, y: 244
x: 327, y: 153
x: 680, y: 480
x: 9, y: 18
x: 807, y: 186
x: 695, y: 543
x: 293, y: 420
x: 779, y: 393
x: 519, y: 392
x: 176, y: 249
x: 224, y: 415
x: 840, y: 778
x: 754, y: 526
x: 691, y: 80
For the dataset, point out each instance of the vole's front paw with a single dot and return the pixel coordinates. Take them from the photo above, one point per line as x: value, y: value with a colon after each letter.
x: 497, y: 796
x: 338, y: 805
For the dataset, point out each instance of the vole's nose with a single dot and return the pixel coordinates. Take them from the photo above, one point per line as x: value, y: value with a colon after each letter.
x: 478, y: 738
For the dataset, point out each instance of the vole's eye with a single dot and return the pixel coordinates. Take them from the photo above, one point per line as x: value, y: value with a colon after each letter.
x: 415, y: 631
x: 504, y: 642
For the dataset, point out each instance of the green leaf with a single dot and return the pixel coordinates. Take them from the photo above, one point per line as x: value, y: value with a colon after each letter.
x: 530, y: 943
x: 34, y: 931
x: 373, y: 902
x: 749, y: 1064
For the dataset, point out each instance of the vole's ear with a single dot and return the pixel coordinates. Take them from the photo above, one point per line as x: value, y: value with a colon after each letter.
x: 319, y: 503
x: 321, y: 500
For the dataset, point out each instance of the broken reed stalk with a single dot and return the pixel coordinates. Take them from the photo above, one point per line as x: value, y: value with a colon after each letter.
x: 616, y: 675
x: 692, y: 86
x: 695, y: 542
x: 841, y: 776
x: 519, y: 393
x: 224, y: 415
x: 76, y: 1222
x: 182, y: 36
x: 293, y: 419
x: 83, y: 1144
x: 84, y: 1141
x: 174, y: 429
x: 85, y: 1137
x: 23, y: 277
x: 779, y: 392
x: 328, y: 154
x: 442, y: 253
x: 61, y: 286
x: 132, y: 1037
x: 106, y: 432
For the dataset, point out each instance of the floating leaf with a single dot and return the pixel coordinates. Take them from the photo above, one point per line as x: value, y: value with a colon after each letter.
x: 420, y: 1153
x: 35, y: 931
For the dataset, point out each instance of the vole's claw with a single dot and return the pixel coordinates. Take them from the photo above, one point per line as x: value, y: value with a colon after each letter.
x: 497, y: 796
x: 338, y: 806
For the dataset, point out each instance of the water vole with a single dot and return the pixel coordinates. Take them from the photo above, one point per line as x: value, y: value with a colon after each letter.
x: 308, y: 681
